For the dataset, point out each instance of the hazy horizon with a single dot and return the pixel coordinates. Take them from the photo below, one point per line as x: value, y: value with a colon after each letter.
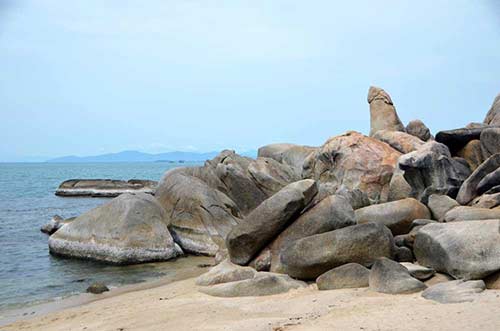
x: 91, y: 77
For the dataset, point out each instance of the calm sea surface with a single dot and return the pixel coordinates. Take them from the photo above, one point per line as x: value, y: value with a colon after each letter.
x: 28, y: 274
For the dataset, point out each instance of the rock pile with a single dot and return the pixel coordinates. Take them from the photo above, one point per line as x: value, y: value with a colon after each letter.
x: 386, y: 211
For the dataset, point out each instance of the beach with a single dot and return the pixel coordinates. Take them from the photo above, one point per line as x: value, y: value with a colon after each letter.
x: 179, y: 306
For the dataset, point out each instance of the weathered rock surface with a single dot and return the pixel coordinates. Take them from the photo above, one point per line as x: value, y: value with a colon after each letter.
x: 104, y: 187
x: 271, y: 217
x: 396, y: 215
x: 493, y: 115
x: 439, y: 205
x: 264, y: 283
x: 487, y: 201
x: 418, y: 129
x: 97, y: 288
x: 383, y: 114
x: 289, y: 154
x: 332, y: 213
x: 131, y: 228
x: 225, y: 272
x: 356, y: 162
x: 468, y: 190
x: 465, y: 213
x: 403, y: 254
x: 387, y: 276
x: 400, y: 141
x: 350, y: 275
x: 454, y: 291
x: 489, y: 181
x: 431, y: 169
x: 438, y: 278
x: 490, y: 141
x: 398, y: 186
x: 465, y: 250
x: 270, y: 175
x: 310, y: 257
x: 472, y: 153
x: 356, y: 197
x: 456, y: 139
x: 493, y: 281
x: 55, y: 223
x: 419, y: 272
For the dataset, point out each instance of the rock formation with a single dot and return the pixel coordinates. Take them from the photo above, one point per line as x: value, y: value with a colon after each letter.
x: 383, y: 114
x: 107, y: 188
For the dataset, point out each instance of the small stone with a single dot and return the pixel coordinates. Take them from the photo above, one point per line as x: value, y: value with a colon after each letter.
x: 97, y: 288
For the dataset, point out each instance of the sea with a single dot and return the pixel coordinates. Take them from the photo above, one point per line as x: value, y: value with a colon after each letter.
x: 29, y: 275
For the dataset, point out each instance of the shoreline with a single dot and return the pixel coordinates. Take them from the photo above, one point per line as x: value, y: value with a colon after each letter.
x: 183, y: 267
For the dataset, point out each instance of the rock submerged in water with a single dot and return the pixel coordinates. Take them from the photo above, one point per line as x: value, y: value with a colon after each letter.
x: 55, y: 223
x: 131, y: 228
x: 97, y: 288
x: 107, y: 188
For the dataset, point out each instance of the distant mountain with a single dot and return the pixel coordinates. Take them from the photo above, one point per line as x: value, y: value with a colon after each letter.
x: 135, y: 156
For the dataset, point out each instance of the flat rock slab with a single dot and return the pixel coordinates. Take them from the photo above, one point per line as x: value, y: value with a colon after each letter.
x: 454, y: 291
x: 264, y: 283
x: 387, y: 276
x: 350, y: 275
x: 106, y: 188
x: 225, y: 272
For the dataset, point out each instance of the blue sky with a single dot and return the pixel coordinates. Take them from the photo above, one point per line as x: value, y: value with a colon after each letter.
x: 89, y: 77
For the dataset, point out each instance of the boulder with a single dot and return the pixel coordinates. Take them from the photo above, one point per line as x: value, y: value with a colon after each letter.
x: 262, y: 262
x: 105, y: 188
x: 403, y: 254
x: 97, y: 288
x: 419, y: 272
x: 225, y: 272
x: 387, y: 276
x: 289, y: 154
x: 264, y: 283
x: 465, y: 213
x: 438, y: 278
x: 468, y: 190
x: 472, y: 153
x: 350, y: 275
x: 487, y: 201
x: 396, y: 215
x: 398, y: 186
x: 200, y: 216
x: 383, y: 114
x: 55, y: 223
x: 439, y: 205
x: 490, y: 141
x: 131, y: 228
x: 270, y: 175
x: 274, y: 151
x: 356, y: 162
x: 493, y: 281
x: 309, y: 257
x: 455, y: 291
x: 418, y: 129
x: 356, y: 197
x: 456, y: 139
x: 466, y: 250
x: 332, y: 213
x: 489, y: 181
x: 493, y: 115
x: 265, y: 222
x: 431, y: 169
x: 400, y: 141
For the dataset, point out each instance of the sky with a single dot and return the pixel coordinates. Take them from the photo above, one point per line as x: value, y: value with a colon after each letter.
x: 86, y: 77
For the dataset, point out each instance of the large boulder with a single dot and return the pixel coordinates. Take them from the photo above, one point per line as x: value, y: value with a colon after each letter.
x: 265, y: 222
x: 356, y: 162
x: 264, y: 283
x: 225, y: 272
x: 418, y: 271
x: 440, y: 204
x: 472, y: 153
x: 383, y: 114
x: 487, y: 201
x: 309, y: 257
x: 464, y: 250
x: 332, y: 213
x: 400, y: 141
x: 454, y: 291
x: 107, y: 188
x: 466, y: 213
x: 490, y: 140
x: 493, y: 115
x: 456, y: 139
x: 387, y: 276
x: 396, y: 215
x: 418, y: 129
x: 468, y: 190
x: 356, y: 197
x: 398, y: 186
x: 431, y: 169
x: 131, y: 228
x: 350, y: 275
x: 270, y: 175
x: 489, y: 181
x: 289, y: 154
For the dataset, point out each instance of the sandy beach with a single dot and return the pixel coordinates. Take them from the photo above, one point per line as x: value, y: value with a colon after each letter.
x: 179, y: 306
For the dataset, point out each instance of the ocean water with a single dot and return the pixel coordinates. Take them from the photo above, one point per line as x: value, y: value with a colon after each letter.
x: 28, y: 273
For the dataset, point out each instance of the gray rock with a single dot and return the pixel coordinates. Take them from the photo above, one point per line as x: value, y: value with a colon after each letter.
x: 418, y: 129
x: 396, y: 215
x: 383, y: 114
x: 465, y: 213
x: 356, y: 197
x: 438, y: 278
x: 350, y: 275
x: 289, y: 154
x: 490, y: 141
x: 468, y: 190
x: 454, y: 291
x: 489, y: 181
x: 387, y: 276
x: 270, y: 175
x: 472, y: 153
x: 456, y: 139
x: 264, y: 223
x: 493, y: 115
x: 55, y: 223
x: 455, y: 248
x: 309, y: 257
x: 262, y: 262
x: 332, y: 213
x: 403, y: 254
x: 131, y: 228
x: 399, y: 187
x: 225, y: 272
x: 418, y: 223
x: 97, y: 288
x: 264, y: 283
x: 440, y: 204
x: 487, y: 201
x: 431, y: 169
x: 493, y: 281
x: 400, y: 141
x: 274, y: 151
x: 107, y: 188
x: 419, y: 272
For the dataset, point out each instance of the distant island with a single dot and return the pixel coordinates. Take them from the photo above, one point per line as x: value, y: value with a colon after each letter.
x: 135, y: 156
